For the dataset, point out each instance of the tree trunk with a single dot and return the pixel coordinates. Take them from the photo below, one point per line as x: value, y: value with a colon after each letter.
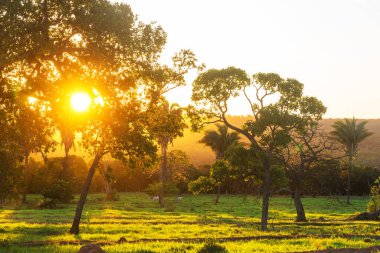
x: 349, y: 175
x: 266, y: 193
x: 217, y: 194
x: 44, y: 157
x: 86, y: 187
x: 245, y: 193
x: 164, y: 162
x: 301, y: 217
x: 65, y: 168
x: 26, y: 175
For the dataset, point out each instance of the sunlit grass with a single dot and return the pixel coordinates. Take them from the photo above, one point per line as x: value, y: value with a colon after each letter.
x: 136, y: 217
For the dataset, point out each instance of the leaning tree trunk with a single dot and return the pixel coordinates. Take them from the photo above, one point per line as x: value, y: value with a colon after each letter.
x: 86, y: 187
x: 217, y: 194
x: 164, y: 163
x: 266, y: 194
x: 349, y: 175
x: 301, y: 217
x: 26, y: 175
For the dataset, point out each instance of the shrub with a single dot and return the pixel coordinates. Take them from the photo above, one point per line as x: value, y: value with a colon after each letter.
x: 171, y: 207
x: 11, y: 176
x: 155, y: 188
x: 374, y: 203
x: 202, y: 184
x: 59, y: 190
x: 212, y: 247
x: 112, y: 196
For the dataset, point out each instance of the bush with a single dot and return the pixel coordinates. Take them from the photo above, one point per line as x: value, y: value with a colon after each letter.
x: 202, y: 184
x: 155, y: 188
x: 59, y: 190
x: 374, y: 203
x: 11, y: 176
x: 112, y: 196
x: 41, y: 174
x: 212, y: 247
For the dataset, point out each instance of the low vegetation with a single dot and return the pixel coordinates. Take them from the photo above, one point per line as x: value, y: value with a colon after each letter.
x: 233, y: 224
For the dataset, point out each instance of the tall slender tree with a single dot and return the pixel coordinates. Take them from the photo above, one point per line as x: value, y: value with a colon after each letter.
x: 168, y: 123
x: 349, y: 133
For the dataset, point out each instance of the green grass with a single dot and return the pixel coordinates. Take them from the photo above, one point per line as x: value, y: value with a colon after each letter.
x: 136, y: 217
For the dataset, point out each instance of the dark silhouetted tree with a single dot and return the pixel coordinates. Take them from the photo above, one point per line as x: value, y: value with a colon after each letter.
x: 349, y: 133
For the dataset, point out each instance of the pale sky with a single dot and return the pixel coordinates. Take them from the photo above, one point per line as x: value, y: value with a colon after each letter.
x: 331, y: 46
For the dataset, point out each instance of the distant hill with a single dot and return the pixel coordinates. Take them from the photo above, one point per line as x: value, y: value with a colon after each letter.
x: 199, y: 154
x: 369, y: 149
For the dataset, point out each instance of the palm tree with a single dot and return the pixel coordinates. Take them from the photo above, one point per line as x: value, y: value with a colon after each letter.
x: 219, y: 141
x: 173, y: 126
x: 349, y: 133
x: 68, y: 141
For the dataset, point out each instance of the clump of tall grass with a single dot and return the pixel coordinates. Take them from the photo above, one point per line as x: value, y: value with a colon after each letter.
x: 212, y: 247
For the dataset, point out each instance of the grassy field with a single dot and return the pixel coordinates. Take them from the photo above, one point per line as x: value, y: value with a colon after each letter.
x: 184, y: 226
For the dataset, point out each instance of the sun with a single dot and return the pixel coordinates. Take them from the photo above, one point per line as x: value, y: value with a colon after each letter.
x: 80, y: 101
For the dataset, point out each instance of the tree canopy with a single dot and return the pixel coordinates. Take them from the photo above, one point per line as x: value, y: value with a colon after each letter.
x: 278, y: 107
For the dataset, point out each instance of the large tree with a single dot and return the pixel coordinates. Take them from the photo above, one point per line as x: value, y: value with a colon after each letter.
x: 51, y: 49
x: 278, y: 107
x: 349, y: 133
x: 26, y: 130
x: 307, y: 148
x: 31, y: 132
x: 119, y: 129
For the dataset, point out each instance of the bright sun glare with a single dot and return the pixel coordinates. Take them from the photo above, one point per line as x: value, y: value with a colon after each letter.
x: 80, y: 101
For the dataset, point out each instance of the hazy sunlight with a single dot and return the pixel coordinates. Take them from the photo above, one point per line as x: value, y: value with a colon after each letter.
x: 80, y: 101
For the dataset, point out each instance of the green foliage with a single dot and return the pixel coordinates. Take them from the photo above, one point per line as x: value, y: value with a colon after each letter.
x: 244, y: 167
x: 59, y: 190
x: 231, y: 218
x: 41, y: 174
x: 219, y: 171
x: 180, y: 170
x: 212, y: 247
x: 274, y: 120
x: 278, y: 108
x: 362, y: 178
x: 11, y: 176
x: 220, y: 140
x: 349, y: 133
x: 167, y: 122
x: 374, y: 203
x: 202, y: 184
x: 223, y: 84
x: 112, y: 196
x: 155, y: 189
